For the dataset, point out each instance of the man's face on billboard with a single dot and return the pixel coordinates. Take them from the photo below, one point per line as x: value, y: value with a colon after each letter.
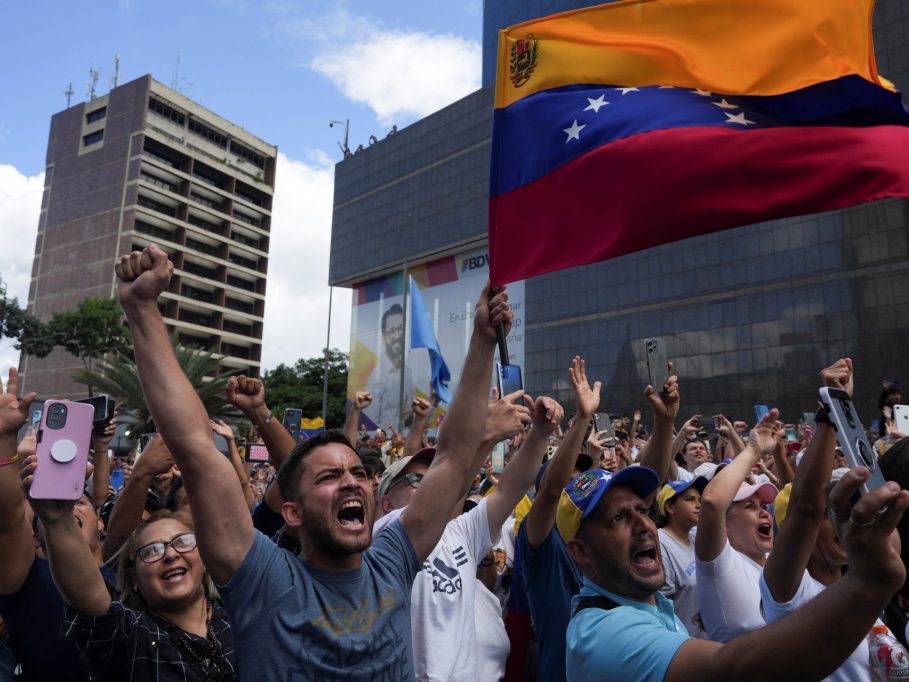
x: 393, y: 333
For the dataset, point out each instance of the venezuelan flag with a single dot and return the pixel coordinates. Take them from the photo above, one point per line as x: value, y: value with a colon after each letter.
x: 636, y: 123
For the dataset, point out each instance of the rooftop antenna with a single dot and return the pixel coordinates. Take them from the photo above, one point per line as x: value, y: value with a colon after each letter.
x: 345, y: 149
x: 115, y: 79
x: 176, y: 80
x: 69, y: 94
x: 92, y: 82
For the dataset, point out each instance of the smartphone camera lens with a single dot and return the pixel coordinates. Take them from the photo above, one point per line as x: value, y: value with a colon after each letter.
x: 56, y: 416
x: 865, y: 453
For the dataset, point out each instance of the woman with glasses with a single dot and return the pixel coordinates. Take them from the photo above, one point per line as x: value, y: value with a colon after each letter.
x: 166, y: 624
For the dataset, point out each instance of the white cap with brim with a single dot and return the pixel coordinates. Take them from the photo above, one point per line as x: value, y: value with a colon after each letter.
x: 766, y: 492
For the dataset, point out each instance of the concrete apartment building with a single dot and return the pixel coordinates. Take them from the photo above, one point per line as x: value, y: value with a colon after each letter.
x: 144, y: 164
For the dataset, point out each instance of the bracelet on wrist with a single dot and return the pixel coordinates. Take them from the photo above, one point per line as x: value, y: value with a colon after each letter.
x: 9, y: 460
x: 268, y: 419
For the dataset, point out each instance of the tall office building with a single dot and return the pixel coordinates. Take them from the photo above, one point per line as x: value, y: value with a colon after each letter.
x: 749, y: 314
x: 144, y: 164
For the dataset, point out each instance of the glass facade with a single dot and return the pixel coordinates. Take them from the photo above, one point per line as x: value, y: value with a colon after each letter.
x: 749, y: 315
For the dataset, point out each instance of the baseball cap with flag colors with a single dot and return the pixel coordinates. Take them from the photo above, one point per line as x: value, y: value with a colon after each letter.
x: 581, y: 496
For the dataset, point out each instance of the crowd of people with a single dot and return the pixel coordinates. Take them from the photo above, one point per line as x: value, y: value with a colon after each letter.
x: 637, y: 549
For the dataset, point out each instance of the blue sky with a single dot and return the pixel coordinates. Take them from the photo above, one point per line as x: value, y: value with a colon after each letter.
x: 280, y: 69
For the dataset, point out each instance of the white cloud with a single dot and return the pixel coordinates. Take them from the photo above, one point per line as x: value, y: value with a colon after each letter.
x: 296, y: 306
x: 20, y: 208
x: 403, y: 74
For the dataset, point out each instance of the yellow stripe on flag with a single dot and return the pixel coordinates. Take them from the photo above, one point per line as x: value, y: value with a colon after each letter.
x: 735, y: 47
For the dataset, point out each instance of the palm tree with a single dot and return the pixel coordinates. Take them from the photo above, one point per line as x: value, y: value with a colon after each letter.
x: 117, y: 376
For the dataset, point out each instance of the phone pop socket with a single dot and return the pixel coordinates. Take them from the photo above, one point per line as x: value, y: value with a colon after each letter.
x: 63, y: 451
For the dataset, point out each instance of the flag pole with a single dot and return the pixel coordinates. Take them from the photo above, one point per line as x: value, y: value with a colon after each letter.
x: 325, y: 368
x: 403, y: 351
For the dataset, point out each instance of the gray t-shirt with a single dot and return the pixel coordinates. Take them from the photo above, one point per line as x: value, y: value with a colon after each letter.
x: 293, y: 622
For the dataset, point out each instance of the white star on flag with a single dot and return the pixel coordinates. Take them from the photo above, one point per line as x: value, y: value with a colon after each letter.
x: 723, y: 104
x: 574, y: 132
x: 739, y: 118
x: 595, y: 104
x: 625, y: 91
x: 702, y: 93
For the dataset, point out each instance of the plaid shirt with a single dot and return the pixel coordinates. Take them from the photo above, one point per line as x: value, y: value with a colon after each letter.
x: 124, y: 644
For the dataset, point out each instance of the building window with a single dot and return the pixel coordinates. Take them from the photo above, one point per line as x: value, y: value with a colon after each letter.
x: 96, y: 115
x: 208, y: 133
x: 162, y: 109
x: 93, y: 138
x: 247, y: 154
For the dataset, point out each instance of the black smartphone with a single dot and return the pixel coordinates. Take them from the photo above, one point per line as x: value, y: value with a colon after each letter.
x: 657, y: 362
x: 508, y: 379
x: 145, y: 439
x: 850, y: 434
x: 291, y: 422
x: 104, y: 412
x: 602, y: 422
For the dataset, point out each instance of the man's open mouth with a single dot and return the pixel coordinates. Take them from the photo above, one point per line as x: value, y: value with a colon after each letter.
x: 646, y: 558
x: 352, y: 515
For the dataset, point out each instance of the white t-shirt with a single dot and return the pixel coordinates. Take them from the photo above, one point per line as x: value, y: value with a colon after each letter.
x: 681, y: 582
x: 728, y: 595
x: 443, y: 599
x: 855, y: 668
x: 684, y: 475
x: 492, y: 640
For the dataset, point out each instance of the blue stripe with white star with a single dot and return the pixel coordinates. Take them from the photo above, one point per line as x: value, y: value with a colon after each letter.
x: 537, y: 134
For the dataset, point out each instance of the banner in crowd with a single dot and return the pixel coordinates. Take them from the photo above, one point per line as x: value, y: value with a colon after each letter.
x: 636, y: 123
x: 380, y: 349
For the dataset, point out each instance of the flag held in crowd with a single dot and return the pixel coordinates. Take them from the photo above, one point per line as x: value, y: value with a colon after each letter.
x: 423, y: 336
x: 637, y: 123
x: 310, y: 427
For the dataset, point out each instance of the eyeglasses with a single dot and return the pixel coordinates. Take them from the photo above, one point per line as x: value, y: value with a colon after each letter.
x: 155, y: 551
x: 413, y: 480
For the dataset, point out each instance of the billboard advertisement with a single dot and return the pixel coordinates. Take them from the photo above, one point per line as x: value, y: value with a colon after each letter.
x: 381, y: 359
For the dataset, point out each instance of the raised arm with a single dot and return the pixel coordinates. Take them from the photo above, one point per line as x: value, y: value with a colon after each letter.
x: 361, y: 401
x: 525, y: 463
x: 224, y: 528
x: 541, y: 517
x: 233, y: 454
x: 15, y: 515
x: 73, y: 567
x: 718, y: 496
x: 248, y: 396
x: 815, y: 640
x: 127, y: 512
x: 659, y: 450
x: 421, y: 412
x: 101, y: 473
x: 795, y: 541
x: 460, y: 437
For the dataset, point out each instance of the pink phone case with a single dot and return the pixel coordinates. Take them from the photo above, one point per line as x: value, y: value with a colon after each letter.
x: 63, y: 453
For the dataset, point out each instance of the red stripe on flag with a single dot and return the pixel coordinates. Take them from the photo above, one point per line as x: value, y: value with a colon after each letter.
x: 666, y: 185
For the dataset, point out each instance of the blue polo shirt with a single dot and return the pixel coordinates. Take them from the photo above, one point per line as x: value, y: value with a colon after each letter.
x: 635, y: 641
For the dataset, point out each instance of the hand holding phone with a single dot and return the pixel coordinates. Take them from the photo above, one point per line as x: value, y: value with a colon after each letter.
x: 508, y: 379
x: 63, y: 441
x: 256, y: 452
x: 850, y: 434
x: 657, y: 363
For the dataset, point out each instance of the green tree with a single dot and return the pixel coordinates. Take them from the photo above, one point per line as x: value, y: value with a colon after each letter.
x: 92, y: 330
x: 31, y: 336
x: 300, y: 387
x: 118, y: 377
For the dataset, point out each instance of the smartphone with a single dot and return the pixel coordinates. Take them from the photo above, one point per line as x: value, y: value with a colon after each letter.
x: 508, y: 379
x: 145, y: 439
x: 791, y: 435
x: 64, y: 437
x: 117, y: 478
x: 657, y: 362
x: 901, y: 418
x: 716, y: 423
x: 760, y: 411
x: 256, y: 452
x: 498, y: 459
x: 291, y: 422
x: 850, y: 434
x: 602, y: 422
x: 104, y: 412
